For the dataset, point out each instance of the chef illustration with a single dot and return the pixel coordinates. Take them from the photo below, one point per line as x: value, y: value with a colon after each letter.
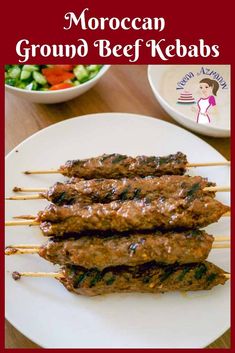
x: 206, y: 104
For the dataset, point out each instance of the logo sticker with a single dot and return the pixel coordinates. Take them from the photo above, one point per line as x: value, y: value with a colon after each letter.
x: 200, y: 90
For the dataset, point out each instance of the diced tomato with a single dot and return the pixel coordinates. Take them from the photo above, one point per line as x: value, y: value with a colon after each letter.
x: 61, y: 86
x: 55, y: 75
x: 65, y: 67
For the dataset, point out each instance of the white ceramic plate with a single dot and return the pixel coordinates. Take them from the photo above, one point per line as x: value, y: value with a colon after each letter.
x: 177, y: 88
x: 44, y: 311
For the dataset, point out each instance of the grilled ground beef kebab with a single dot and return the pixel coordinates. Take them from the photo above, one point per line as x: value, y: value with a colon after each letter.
x: 107, y: 190
x: 148, y: 278
x: 115, y: 166
x: 132, y: 249
x: 121, y: 216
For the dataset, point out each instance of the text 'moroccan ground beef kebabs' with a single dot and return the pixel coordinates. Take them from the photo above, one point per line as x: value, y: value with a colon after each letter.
x: 115, y: 166
x: 146, y: 278
x: 108, y: 190
x: 130, y: 249
x: 164, y: 214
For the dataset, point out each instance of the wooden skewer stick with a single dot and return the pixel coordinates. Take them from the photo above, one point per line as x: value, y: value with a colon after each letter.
x: 16, y: 251
x: 22, y: 223
x: 24, y: 246
x: 227, y: 275
x: 19, y: 189
x: 208, y: 164
x: 220, y: 246
x: 17, y: 275
x: 41, y: 172
x: 25, y: 197
x: 221, y: 238
x: 217, y: 188
x: 25, y: 217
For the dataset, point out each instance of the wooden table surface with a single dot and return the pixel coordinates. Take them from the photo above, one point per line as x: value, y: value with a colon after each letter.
x: 124, y: 88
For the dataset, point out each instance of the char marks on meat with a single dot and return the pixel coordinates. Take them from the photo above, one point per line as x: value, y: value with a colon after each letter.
x: 146, y: 278
x: 108, y: 190
x: 131, y: 249
x: 115, y: 166
x: 131, y: 215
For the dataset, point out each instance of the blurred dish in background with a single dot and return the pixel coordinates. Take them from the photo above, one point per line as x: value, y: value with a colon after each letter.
x: 196, y: 96
x: 51, y: 83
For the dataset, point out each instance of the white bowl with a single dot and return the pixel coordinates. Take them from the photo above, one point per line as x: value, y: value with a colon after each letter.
x: 166, y: 82
x: 58, y: 96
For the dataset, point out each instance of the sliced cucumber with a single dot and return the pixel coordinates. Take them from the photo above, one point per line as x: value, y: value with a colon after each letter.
x: 14, y: 72
x: 93, y: 67
x: 80, y: 72
x: 39, y: 78
x: 76, y: 83
x: 31, y: 68
x: 25, y: 74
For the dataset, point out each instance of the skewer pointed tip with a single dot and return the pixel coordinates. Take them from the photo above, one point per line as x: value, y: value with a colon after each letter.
x: 25, y: 217
x: 10, y: 250
x: 16, y: 189
x: 17, y: 275
x: 51, y: 171
x: 227, y: 275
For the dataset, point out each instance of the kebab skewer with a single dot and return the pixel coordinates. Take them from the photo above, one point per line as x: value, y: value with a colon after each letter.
x: 132, y: 249
x: 115, y: 166
x: 132, y: 215
x: 147, y: 278
x: 108, y: 190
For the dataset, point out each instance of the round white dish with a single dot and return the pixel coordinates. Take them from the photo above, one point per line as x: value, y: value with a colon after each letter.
x: 180, y: 93
x: 44, y: 311
x: 58, y: 96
